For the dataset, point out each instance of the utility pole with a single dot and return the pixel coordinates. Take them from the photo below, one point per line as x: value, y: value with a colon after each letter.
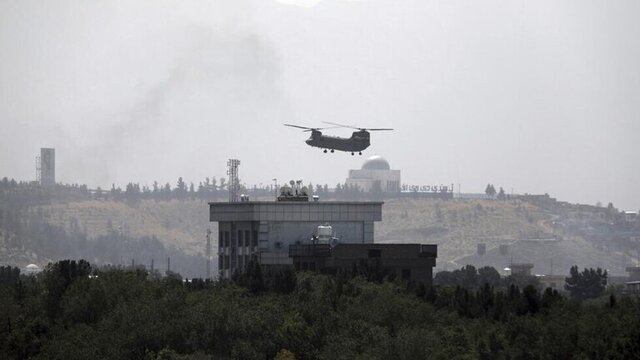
x: 208, y: 253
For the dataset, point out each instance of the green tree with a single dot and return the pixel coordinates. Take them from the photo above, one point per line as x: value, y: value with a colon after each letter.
x: 490, y: 190
x: 488, y: 275
x: 588, y: 284
x: 501, y: 194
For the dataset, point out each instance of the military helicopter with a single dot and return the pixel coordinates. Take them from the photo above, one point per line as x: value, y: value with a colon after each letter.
x: 358, y: 141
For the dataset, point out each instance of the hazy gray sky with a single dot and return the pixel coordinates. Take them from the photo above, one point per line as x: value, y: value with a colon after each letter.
x: 538, y: 96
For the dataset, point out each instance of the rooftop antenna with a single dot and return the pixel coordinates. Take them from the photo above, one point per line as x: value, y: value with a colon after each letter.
x: 234, y: 182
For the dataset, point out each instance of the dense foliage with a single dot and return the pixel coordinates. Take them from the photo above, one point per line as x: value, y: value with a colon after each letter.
x: 22, y: 194
x: 588, y: 284
x: 71, y: 311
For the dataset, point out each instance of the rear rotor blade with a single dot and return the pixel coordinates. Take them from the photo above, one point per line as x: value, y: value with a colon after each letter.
x: 355, y: 127
x: 341, y: 125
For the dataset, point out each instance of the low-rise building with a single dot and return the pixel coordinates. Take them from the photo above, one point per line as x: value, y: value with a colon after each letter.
x: 264, y: 230
x: 410, y: 262
x: 375, y: 176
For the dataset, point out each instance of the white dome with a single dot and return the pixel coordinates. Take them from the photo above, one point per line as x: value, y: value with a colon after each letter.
x: 32, y: 269
x: 376, y: 162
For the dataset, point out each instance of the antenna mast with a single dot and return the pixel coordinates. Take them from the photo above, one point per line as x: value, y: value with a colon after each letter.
x: 234, y: 182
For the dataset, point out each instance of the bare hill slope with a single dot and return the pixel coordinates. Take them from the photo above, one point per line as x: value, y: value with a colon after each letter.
x: 457, y: 226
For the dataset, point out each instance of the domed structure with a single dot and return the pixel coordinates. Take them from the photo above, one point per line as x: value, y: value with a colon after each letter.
x: 32, y: 269
x: 376, y: 162
x: 375, y: 176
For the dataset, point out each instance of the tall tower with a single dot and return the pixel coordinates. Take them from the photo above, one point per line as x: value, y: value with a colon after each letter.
x: 234, y: 181
x: 47, y: 167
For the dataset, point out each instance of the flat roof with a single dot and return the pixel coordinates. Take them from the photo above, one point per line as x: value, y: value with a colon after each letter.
x: 296, y: 202
x: 309, y: 211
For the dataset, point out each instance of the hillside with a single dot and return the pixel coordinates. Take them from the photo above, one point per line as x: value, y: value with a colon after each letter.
x: 457, y: 226
x: 179, y: 223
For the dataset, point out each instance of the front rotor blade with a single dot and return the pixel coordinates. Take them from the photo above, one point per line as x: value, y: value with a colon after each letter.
x: 379, y: 129
x: 298, y: 126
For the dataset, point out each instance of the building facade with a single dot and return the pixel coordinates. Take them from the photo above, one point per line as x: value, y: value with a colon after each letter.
x: 375, y: 176
x: 409, y: 262
x: 263, y: 231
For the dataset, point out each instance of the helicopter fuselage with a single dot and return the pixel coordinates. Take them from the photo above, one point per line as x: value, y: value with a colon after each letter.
x: 358, y: 141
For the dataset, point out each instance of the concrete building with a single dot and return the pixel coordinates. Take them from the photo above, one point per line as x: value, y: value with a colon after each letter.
x: 47, y: 167
x: 264, y: 230
x: 632, y: 288
x: 555, y: 282
x: 521, y: 269
x: 375, y: 175
x: 411, y: 262
x: 634, y: 273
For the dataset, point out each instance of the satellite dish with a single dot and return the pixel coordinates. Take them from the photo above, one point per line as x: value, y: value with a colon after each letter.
x: 304, y: 191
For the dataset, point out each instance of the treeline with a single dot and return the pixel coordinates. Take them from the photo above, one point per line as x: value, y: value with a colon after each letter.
x: 74, y: 311
x: 23, y: 194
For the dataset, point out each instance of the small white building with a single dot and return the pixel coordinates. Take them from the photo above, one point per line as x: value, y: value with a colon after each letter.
x: 630, y: 216
x: 375, y: 175
x: 32, y: 269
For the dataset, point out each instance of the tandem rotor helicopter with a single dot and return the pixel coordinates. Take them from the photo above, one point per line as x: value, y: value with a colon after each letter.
x: 358, y: 141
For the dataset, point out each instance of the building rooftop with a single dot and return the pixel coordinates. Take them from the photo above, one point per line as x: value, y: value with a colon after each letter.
x: 317, y: 211
x: 376, y: 162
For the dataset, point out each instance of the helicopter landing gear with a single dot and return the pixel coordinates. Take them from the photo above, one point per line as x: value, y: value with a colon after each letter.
x: 352, y: 154
x: 360, y: 153
x: 325, y: 151
x: 332, y: 151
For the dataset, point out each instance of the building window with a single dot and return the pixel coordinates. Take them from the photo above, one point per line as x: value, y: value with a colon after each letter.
x: 254, y: 241
x: 247, y: 238
x: 220, y: 239
x: 226, y: 239
x: 375, y: 253
x: 240, y: 240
